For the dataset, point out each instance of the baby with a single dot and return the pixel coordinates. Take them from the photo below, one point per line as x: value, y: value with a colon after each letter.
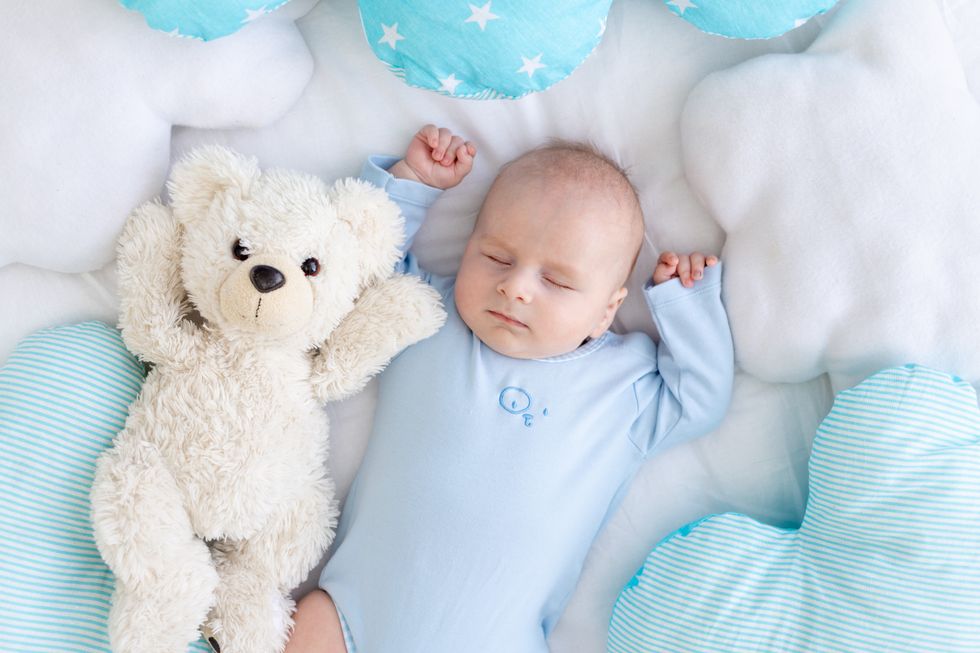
x: 503, y: 443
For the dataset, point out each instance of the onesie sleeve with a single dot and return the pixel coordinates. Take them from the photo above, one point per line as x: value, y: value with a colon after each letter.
x: 689, y: 390
x: 414, y: 200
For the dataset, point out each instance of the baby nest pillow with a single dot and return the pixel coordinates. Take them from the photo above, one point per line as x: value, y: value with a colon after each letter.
x: 839, y: 190
x: 886, y: 557
x: 201, y: 20
x: 748, y: 19
x: 64, y: 394
x: 484, y: 49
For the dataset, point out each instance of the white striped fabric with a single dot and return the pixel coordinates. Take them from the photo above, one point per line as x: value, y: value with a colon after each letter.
x: 887, y: 557
x: 64, y: 394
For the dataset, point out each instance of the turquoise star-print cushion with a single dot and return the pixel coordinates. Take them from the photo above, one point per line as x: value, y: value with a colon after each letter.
x: 201, y: 19
x: 748, y: 19
x: 483, y: 49
x: 64, y: 394
x: 887, y: 557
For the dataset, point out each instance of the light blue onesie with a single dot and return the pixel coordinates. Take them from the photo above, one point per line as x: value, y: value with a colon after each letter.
x: 487, y: 478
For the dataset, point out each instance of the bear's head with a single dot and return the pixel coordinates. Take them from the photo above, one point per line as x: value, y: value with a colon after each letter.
x: 277, y: 255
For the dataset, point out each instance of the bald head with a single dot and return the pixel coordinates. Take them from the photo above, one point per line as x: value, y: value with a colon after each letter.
x: 581, y: 170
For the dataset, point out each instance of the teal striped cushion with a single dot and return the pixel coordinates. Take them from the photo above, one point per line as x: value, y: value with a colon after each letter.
x: 64, y: 394
x: 887, y: 557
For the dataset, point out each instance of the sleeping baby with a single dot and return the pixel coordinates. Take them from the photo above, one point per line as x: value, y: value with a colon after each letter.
x: 502, y: 444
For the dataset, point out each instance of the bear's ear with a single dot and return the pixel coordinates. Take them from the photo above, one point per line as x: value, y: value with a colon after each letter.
x: 204, y: 173
x: 376, y: 223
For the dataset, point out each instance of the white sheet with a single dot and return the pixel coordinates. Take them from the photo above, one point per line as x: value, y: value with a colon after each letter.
x: 627, y: 98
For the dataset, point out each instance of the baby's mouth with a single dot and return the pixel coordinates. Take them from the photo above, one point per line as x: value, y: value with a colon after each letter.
x: 506, y: 319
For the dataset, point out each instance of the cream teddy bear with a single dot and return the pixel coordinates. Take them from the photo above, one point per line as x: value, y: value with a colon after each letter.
x: 213, y: 502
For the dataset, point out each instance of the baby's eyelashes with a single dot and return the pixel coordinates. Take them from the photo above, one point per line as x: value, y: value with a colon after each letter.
x: 557, y: 284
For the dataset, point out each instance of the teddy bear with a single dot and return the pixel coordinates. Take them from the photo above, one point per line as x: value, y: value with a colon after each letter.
x: 213, y: 501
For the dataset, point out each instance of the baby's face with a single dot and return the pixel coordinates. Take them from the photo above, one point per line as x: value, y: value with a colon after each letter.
x: 543, y: 268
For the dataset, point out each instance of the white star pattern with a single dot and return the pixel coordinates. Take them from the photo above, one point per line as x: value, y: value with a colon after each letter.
x: 450, y: 83
x: 252, y: 14
x: 530, y: 65
x: 602, y: 27
x: 481, y: 15
x: 391, y: 36
x: 683, y: 5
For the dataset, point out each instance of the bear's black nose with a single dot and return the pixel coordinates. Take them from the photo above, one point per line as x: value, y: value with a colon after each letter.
x: 266, y: 278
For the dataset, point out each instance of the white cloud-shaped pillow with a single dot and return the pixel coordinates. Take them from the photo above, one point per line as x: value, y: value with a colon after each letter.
x: 90, y: 95
x: 847, y: 178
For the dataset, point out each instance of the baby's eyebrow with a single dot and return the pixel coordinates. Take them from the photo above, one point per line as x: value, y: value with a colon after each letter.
x: 563, y: 270
x: 493, y: 241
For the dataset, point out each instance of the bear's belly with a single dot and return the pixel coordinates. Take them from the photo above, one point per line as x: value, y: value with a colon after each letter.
x: 239, y: 452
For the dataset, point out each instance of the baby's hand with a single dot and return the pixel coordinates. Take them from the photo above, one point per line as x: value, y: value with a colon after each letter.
x: 688, y: 268
x: 436, y: 158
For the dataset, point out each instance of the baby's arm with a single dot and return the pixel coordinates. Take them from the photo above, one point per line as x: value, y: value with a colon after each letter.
x: 690, y: 389
x: 316, y: 626
x: 434, y: 161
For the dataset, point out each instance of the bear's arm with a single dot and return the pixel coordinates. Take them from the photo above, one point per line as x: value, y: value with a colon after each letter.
x: 152, y: 298
x: 388, y: 316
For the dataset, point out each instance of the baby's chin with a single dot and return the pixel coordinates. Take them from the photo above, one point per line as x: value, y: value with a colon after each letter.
x: 521, y: 343
x: 507, y: 343
x: 500, y: 339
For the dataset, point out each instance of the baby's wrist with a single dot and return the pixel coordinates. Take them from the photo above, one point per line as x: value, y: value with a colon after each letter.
x: 401, y: 170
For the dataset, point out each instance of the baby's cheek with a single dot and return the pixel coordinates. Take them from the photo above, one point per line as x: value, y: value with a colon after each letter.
x: 465, y: 300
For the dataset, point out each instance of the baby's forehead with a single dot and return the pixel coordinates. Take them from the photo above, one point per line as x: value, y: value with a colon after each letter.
x: 594, y: 195
x: 571, y: 165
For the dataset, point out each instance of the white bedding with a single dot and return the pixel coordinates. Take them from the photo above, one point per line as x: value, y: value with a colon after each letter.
x: 627, y: 98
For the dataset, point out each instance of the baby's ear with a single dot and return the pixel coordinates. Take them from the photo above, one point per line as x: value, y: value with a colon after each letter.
x: 376, y: 223
x: 204, y: 173
x: 615, y: 301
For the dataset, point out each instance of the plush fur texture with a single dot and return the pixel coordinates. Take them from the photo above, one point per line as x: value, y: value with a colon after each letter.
x: 213, y: 502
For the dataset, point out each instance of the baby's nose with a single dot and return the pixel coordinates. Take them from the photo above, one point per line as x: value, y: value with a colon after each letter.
x: 515, y: 287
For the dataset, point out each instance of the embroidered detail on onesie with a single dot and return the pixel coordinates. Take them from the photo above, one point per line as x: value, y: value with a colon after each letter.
x: 517, y: 401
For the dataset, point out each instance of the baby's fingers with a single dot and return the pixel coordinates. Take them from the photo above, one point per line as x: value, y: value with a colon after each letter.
x: 464, y: 157
x: 449, y: 158
x: 445, y: 138
x: 684, y: 271
x: 429, y: 135
x: 666, y: 267
x: 697, y: 266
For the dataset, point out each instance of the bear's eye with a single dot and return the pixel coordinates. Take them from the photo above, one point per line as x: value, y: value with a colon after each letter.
x: 239, y: 251
x: 311, y: 267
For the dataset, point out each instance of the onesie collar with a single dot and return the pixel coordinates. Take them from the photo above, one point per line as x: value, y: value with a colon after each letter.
x: 583, y: 350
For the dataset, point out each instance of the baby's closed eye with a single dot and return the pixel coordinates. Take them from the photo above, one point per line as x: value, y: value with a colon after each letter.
x: 558, y: 284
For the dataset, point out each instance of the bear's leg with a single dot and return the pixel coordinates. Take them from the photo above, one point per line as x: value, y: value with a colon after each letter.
x: 253, y: 610
x: 165, y: 578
